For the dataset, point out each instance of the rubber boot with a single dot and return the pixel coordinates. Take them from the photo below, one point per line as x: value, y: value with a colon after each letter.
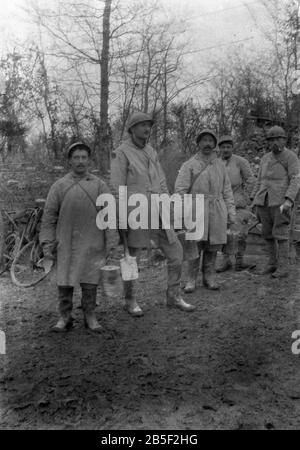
x: 193, y: 269
x: 282, y: 270
x: 175, y: 300
x: 271, y: 264
x: 65, y: 305
x: 226, y: 264
x: 131, y: 305
x: 88, y: 302
x: 209, y: 271
x: 239, y: 257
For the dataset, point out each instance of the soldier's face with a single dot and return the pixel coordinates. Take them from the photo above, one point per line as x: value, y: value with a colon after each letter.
x: 79, y: 161
x: 206, y: 144
x: 276, y: 145
x: 226, y: 150
x: 141, y: 130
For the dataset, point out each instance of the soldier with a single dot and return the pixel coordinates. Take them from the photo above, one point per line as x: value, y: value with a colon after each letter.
x: 274, y: 195
x: 242, y: 183
x: 206, y: 174
x: 135, y: 164
x: 69, y: 228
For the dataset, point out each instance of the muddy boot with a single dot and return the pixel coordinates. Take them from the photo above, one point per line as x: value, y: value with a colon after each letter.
x: 131, y: 305
x: 293, y: 253
x: 271, y: 264
x: 174, y: 300
x: 88, y: 302
x: 209, y: 271
x: 65, y: 322
x: 282, y: 270
x: 193, y: 269
x: 239, y: 258
x: 226, y: 264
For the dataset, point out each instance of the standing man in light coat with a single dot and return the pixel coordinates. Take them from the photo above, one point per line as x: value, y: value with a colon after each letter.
x: 242, y: 183
x: 274, y: 195
x: 135, y: 164
x: 69, y: 230
x: 206, y: 174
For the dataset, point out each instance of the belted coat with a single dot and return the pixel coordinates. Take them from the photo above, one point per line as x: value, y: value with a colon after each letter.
x: 69, y: 227
x: 241, y: 178
x: 214, y: 183
x: 140, y: 171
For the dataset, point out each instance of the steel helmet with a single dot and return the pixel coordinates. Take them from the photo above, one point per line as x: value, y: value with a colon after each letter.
x: 206, y: 131
x: 276, y: 132
x: 225, y: 138
x: 139, y: 117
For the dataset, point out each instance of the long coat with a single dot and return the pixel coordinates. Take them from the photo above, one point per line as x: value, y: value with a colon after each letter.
x: 140, y: 171
x: 69, y: 226
x: 214, y: 183
x: 241, y: 178
x: 278, y: 177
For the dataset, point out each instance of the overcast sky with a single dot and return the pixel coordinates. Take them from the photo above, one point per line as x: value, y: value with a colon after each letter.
x: 212, y: 23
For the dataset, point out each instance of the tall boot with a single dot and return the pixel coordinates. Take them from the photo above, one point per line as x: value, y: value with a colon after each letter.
x: 88, y: 301
x: 65, y: 305
x: 193, y: 269
x: 270, y: 250
x: 282, y: 270
x: 239, y: 257
x: 175, y: 300
x: 131, y: 305
x: 226, y: 263
x: 209, y: 270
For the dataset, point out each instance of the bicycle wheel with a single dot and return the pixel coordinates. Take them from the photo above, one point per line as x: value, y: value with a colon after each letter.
x: 24, y: 270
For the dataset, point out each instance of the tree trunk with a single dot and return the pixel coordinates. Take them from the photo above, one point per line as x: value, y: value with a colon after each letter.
x: 106, y: 139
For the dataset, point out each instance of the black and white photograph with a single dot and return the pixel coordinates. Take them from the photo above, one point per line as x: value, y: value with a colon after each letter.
x: 149, y: 217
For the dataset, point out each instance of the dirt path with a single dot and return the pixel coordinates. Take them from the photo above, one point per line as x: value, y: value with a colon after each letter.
x: 228, y: 365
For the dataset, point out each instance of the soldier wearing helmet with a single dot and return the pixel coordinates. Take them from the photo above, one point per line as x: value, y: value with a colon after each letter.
x: 135, y: 164
x: 204, y: 173
x: 274, y: 195
x: 242, y: 183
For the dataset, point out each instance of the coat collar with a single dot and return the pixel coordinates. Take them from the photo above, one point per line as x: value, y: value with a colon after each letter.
x: 88, y: 176
x: 212, y: 157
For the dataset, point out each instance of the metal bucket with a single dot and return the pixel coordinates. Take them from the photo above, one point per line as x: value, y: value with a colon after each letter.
x: 111, y: 280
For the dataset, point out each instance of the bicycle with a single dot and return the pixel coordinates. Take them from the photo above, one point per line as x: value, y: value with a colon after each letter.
x: 24, y: 253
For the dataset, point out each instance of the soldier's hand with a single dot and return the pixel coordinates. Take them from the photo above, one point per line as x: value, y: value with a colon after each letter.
x: 286, y: 207
x: 46, y: 262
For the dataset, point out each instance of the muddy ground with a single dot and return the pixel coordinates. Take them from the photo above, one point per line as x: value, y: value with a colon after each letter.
x: 228, y: 365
